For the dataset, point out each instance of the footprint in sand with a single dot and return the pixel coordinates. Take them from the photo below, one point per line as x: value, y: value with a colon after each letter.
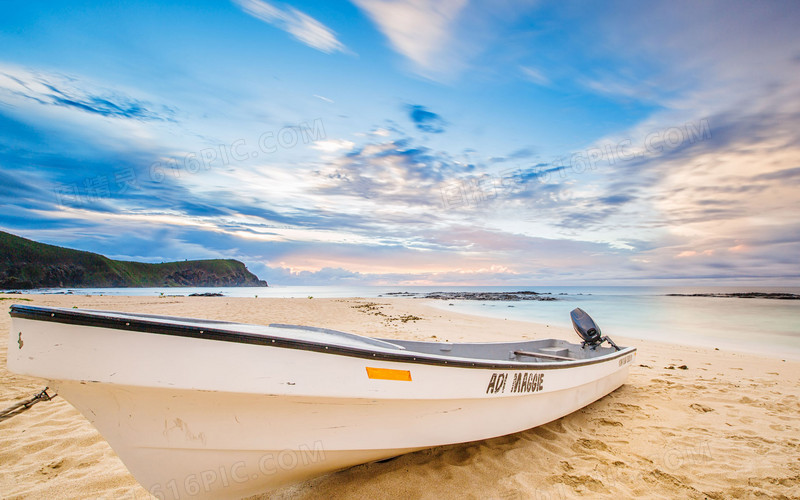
x: 580, y: 483
x: 700, y: 408
x: 52, y: 469
x: 628, y: 406
x: 591, y: 444
x: 661, y: 381
x: 606, y: 422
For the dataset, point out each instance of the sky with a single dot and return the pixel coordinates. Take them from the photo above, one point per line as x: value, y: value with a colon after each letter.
x: 411, y: 142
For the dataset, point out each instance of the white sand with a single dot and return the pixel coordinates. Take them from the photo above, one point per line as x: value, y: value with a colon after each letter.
x: 728, y: 426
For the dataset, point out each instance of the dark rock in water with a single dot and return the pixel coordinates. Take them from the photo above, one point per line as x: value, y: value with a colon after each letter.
x: 742, y: 295
x: 488, y: 296
x: 206, y: 294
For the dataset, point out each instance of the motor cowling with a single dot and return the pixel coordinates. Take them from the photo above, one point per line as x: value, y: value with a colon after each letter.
x: 585, y: 327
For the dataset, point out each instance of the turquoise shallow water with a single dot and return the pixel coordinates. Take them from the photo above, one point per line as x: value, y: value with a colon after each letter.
x: 761, y: 326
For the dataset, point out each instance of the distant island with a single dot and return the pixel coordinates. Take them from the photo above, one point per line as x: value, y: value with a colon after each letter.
x: 27, y: 264
x: 742, y: 295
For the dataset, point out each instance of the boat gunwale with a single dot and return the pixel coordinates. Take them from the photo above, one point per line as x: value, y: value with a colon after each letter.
x: 94, y: 319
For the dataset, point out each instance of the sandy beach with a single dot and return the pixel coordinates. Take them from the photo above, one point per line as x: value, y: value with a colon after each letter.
x: 689, y: 423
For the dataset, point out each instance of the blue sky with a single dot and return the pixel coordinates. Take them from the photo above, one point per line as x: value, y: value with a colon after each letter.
x: 411, y: 142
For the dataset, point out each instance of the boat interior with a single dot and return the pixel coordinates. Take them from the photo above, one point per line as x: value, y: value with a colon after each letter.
x: 531, y: 351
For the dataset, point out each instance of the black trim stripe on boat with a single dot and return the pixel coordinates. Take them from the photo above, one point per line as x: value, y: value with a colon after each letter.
x: 78, y: 317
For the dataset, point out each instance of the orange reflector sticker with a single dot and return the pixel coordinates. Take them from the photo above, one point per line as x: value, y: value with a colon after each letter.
x: 388, y: 374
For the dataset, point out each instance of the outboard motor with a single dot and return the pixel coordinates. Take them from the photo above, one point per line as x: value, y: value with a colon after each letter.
x: 588, y: 330
x: 585, y: 326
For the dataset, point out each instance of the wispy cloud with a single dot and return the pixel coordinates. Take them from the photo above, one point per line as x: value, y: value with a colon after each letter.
x: 441, y: 39
x: 54, y: 89
x: 300, y: 25
x: 421, y: 30
x: 534, y: 75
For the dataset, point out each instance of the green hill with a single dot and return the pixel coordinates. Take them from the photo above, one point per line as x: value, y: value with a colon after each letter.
x: 27, y: 264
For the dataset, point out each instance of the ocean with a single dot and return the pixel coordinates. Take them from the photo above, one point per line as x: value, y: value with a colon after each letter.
x: 754, y: 325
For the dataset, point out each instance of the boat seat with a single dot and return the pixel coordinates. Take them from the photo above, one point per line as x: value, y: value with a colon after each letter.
x: 555, y: 351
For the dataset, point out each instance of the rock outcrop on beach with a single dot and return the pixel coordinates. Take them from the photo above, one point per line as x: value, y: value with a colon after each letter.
x: 27, y: 264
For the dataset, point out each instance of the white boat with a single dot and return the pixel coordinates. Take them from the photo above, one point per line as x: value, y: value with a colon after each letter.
x: 211, y: 409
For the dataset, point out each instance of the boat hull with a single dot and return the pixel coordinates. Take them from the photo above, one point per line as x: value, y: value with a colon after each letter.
x: 200, y: 418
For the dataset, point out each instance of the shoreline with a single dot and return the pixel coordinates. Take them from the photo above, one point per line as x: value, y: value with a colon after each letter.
x: 748, y: 325
x: 726, y: 426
